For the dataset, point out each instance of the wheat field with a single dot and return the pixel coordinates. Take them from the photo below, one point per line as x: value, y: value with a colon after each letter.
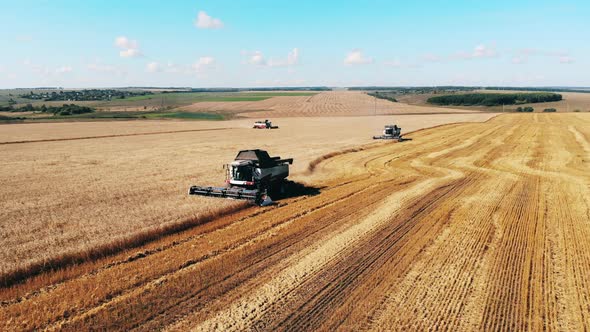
x: 475, y: 226
x: 70, y: 188
x: 332, y: 103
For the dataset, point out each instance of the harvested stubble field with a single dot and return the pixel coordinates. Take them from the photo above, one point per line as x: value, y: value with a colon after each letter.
x: 465, y: 227
x: 72, y: 187
x: 332, y: 103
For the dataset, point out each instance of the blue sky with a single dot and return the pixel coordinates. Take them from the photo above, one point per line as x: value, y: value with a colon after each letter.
x: 293, y: 43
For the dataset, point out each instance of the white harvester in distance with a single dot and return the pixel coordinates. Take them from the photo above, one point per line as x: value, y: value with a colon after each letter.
x: 391, y: 132
x: 264, y: 125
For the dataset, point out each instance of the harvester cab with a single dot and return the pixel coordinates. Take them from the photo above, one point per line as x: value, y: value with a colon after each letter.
x: 253, y: 175
x: 391, y: 132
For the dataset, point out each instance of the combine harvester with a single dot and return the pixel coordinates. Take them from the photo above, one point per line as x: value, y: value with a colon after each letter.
x: 391, y: 132
x: 264, y: 125
x: 253, y: 176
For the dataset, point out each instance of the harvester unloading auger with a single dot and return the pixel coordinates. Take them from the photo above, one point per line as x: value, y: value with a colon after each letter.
x: 254, y: 175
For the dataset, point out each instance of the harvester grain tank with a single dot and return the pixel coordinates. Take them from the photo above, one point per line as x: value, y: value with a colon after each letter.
x: 391, y: 132
x: 253, y: 175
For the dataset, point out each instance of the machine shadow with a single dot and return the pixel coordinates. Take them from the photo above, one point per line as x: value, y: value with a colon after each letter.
x: 296, y: 189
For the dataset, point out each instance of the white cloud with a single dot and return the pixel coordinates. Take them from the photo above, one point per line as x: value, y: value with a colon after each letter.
x: 481, y: 51
x: 293, y: 57
x: 519, y: 59
x: 106, y: 69
x: 153, y: 67
x: 536, y: 52
x: 38, y: 69
x: 63, y: 70
x: 125, y: 43
x: 46, y: 71
x: 256, y: 58
x: 431, y: 57
x: 129, y: 53
x: 101, y: 68
x: 292, y: 60
x: 172, y: 68
x: 393, y: 63
x: 203, y: 63
x: 396, y: 63
x: 566, y: 59
x: 523, y: 55
x: 356, y: 57
x: 204, y: 21
x: 129, y: 48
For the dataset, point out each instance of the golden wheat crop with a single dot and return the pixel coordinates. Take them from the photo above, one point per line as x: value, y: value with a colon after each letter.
x: 479, y: 226
x: 70, y: 191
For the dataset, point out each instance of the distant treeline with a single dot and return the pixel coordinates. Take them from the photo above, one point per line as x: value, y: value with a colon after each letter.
x: 494, y: 99
x: 65, y: 109
x: 548, y: 89
x: 414, y: 89
x: 383, y: 95
x: 311, y: 88
x: 450, y: 88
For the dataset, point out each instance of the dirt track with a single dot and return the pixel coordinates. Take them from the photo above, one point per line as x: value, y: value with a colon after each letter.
x: 466, y: 227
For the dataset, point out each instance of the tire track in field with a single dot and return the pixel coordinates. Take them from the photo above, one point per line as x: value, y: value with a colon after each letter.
x: 462, y: 232
x: 172, y: 259
x: 447, y: 174
x: 295, y: 274
x: 114, y: 135
x: 340, y: 290
x: 184, y: 273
